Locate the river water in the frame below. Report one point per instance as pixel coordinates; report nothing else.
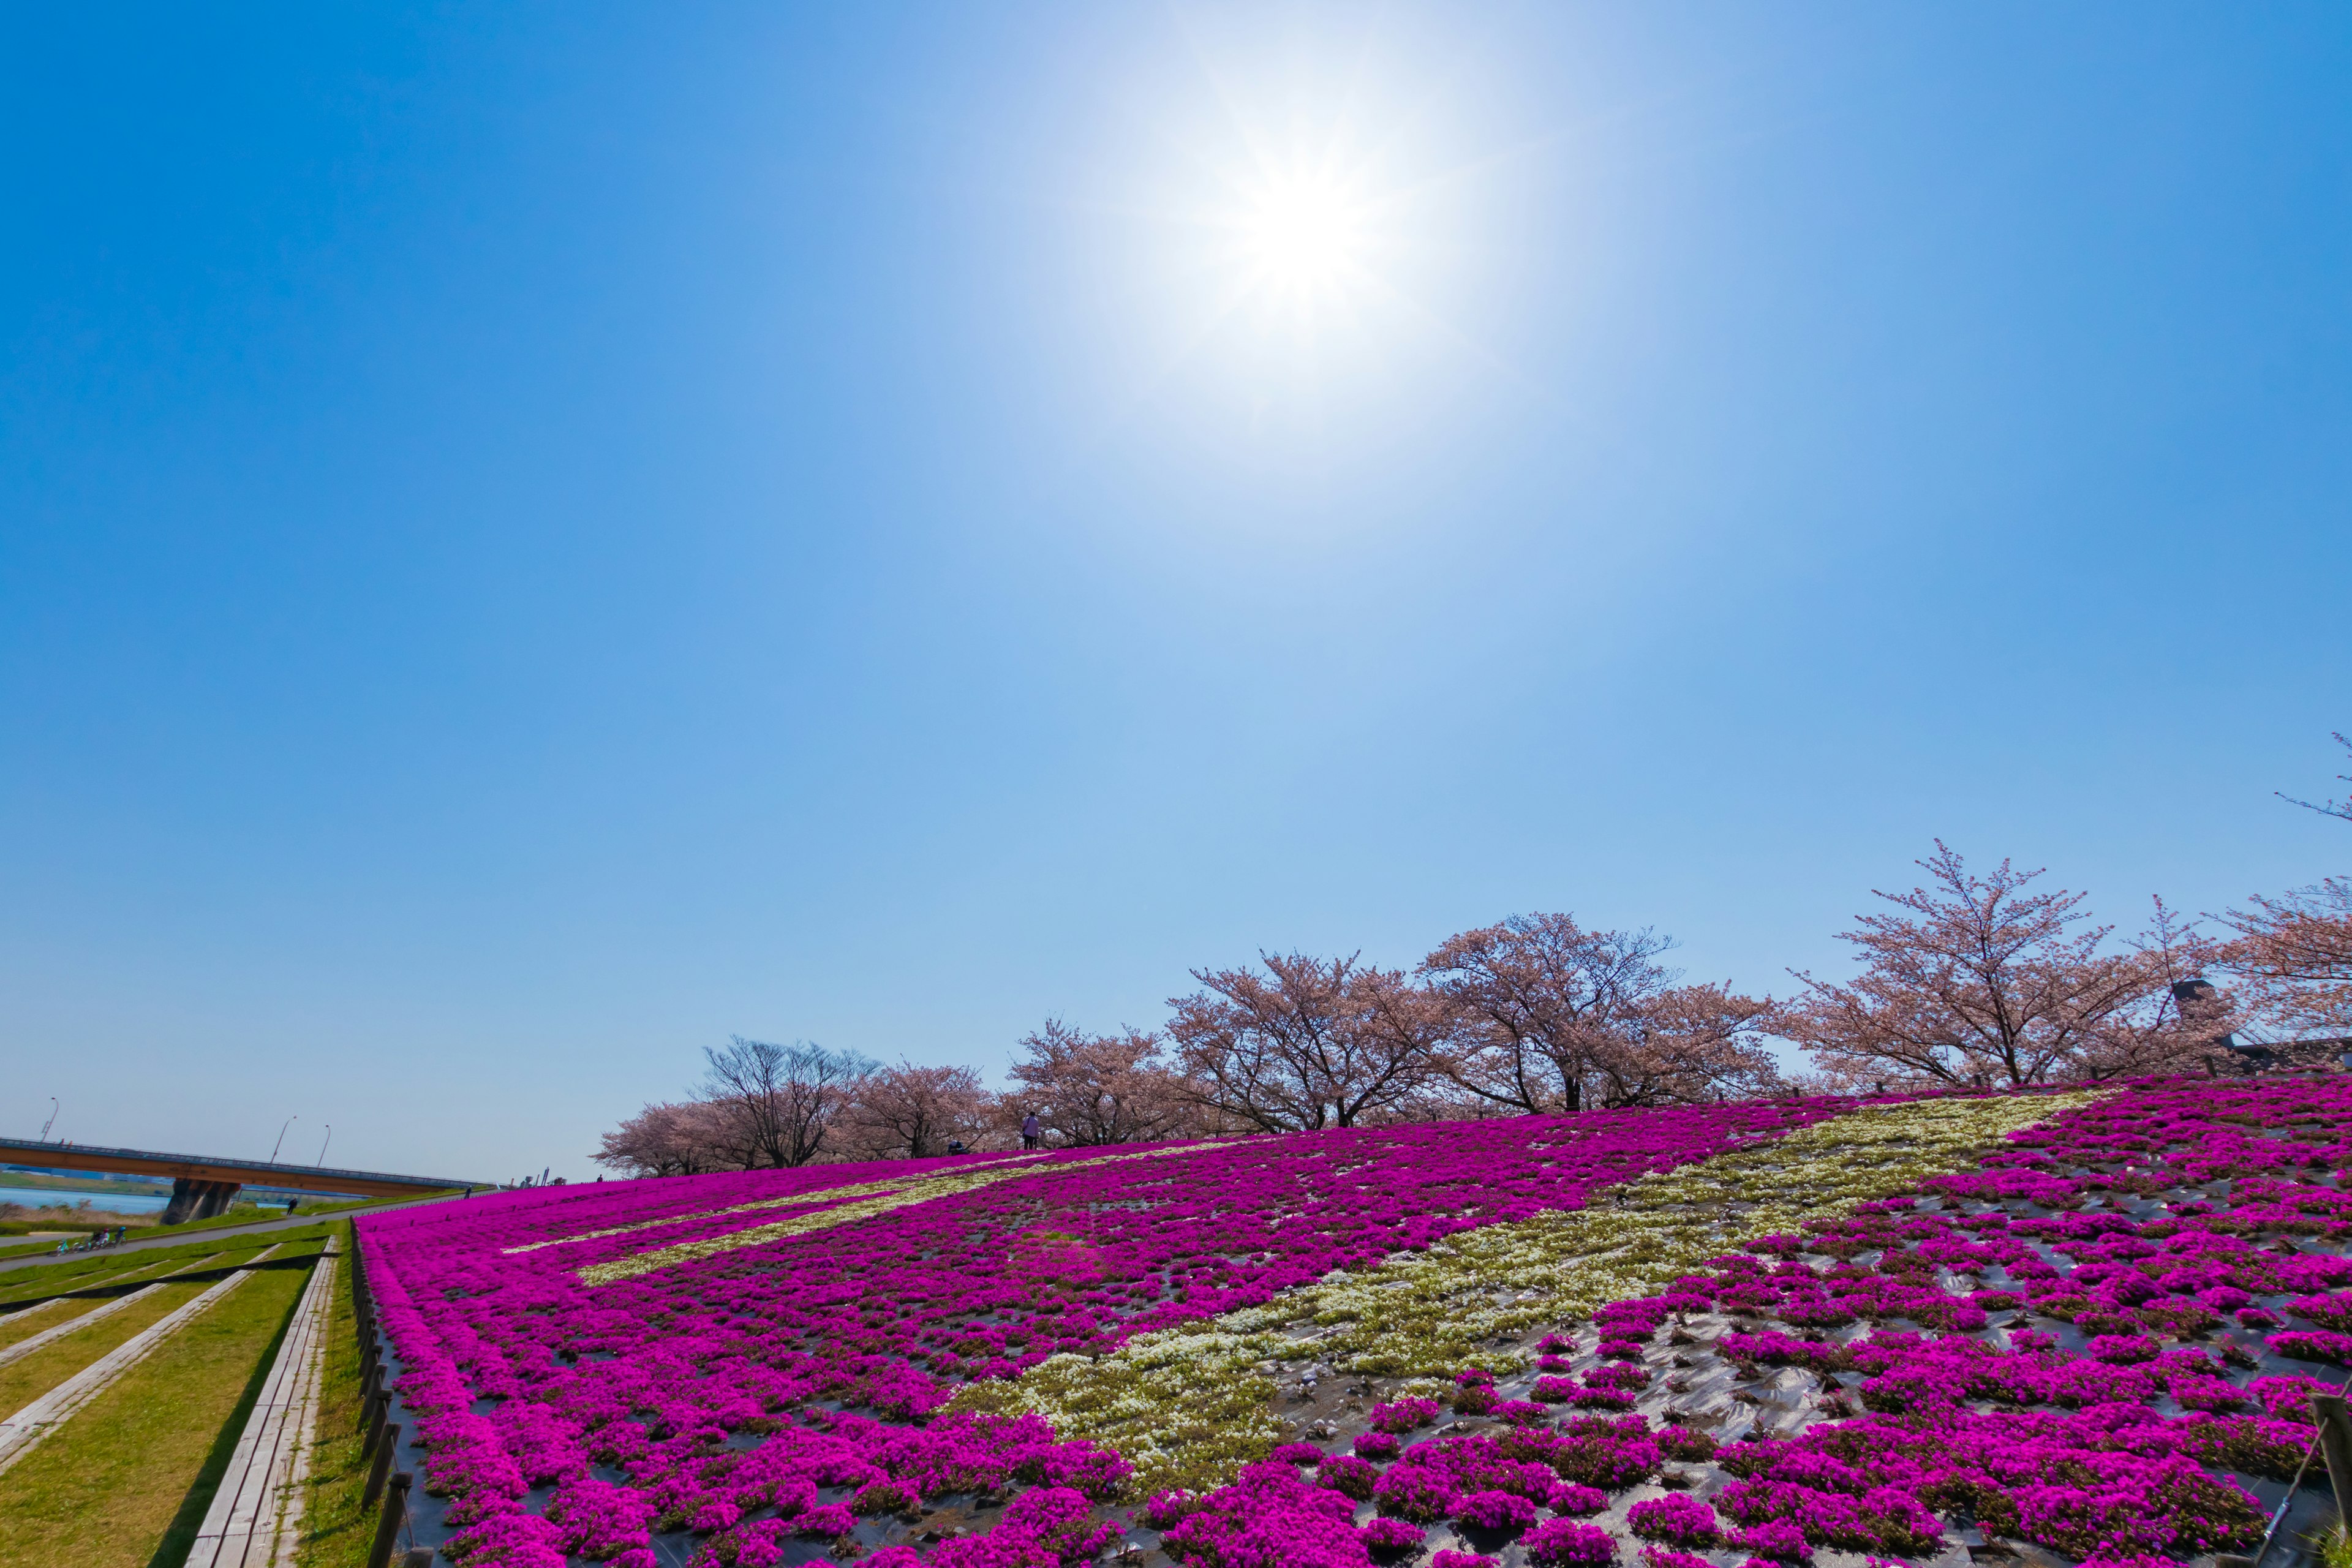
(97, 1197)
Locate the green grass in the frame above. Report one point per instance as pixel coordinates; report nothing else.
(233, 1253)
(14, 1299)
(243, 1214)
(60, 1221)
(82, 1270)
(136, 1271)
(90, 1269)
(30, 1322)
(42, 1290)
(24, 1381)
(337, 1529)
(126, 1482)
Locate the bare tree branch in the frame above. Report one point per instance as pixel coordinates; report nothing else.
(2337, 808)
(779, 1102)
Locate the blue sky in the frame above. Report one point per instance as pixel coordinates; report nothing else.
(533, 537)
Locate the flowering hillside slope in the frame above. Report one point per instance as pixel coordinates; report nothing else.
(1240, 1353)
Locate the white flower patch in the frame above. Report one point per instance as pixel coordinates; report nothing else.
(1189, 1406)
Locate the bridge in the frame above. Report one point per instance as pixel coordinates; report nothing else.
(203, 1186)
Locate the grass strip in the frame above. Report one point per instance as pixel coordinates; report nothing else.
(31, 1320)
(75, 1273)
(139, 1273)
(86, 1273)
(63, 1323)
(23, 1382)
(126, 1482)
(29, 1428)
(232, 1257)
(337, 1529)
(39, 1283)
(58, 1289)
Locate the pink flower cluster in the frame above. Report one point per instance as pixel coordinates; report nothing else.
(1493, 1484)
(2053, 1437)
(725, 1396)
(2121, 1435)
(2088, 1344)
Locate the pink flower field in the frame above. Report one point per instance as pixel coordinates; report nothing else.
(2097, 1341)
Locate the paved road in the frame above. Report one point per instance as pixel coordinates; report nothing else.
(183, 1240)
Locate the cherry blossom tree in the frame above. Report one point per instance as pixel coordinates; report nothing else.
(2293, 955)
(1688, 1043)
(668, 1140)
(1419, 1029)
(1550, 1016)
(1098, 1088)
(1974, 980)
(2180, 1021)
(1305, 1043)
(915, 1112)
(2294, 952)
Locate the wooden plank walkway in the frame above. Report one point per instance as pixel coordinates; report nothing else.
(256, 1517)
(20, 1434)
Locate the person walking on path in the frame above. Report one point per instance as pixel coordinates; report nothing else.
(1031, 1133)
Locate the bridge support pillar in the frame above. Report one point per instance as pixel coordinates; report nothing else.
(194, 1199)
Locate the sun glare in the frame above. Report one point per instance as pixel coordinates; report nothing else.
(1305, 236)
(1305, 210)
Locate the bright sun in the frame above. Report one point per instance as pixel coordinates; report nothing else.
(1305, 235)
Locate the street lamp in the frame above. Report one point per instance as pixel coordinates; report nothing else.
(281, 1138)
(52, 1122)
(324, 1141)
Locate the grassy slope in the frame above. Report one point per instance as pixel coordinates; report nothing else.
(24, 1381)
(105, 1268)
(46, 1290)
(126, 1482)
(138, 1274)
(24, 1284)
(337, 1529)
(33, 1320)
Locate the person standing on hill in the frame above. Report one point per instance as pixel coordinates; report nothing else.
(1031, 1132)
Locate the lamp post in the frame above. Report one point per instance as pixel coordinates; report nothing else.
(281, 1137)
(52, 1122)
(324, 1141)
